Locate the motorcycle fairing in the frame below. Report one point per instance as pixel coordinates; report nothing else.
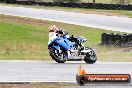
(66, 44)
(63, 42)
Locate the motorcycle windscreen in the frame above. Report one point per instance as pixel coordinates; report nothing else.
(81, 39)
(66, 44)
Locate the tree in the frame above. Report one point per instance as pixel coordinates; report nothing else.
(94, 1)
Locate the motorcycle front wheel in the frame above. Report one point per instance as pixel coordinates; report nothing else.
(90, 57)
(58, 56)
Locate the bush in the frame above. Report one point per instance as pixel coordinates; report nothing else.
(8, 1)
(2, 0)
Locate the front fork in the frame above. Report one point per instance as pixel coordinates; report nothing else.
(69, 54)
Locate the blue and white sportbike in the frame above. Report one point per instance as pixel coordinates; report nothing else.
(64, 48)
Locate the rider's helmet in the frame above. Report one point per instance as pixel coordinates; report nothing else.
(53, 28)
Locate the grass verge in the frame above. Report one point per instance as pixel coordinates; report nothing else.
(36, 85)
(26, 39)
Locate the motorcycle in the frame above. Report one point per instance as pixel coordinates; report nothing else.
(62, 49)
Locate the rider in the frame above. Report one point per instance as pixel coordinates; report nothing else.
(52, 33)
(54, 30)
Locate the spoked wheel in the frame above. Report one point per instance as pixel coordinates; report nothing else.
(58, 55)
(90, 57)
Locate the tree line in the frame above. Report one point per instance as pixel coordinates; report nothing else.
(94, 1)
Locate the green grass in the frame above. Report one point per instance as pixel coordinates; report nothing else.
(105, 1)
(26, 39)
(20, 41)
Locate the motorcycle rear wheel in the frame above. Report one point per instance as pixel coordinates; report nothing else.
(56, 57)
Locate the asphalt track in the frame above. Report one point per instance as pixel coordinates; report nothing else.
(22, 71)
(50, 71)
(123, 24)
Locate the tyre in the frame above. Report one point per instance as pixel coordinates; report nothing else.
(90, 57)
(59, 57)
(80, 80)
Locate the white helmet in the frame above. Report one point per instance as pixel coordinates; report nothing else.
(53, 28)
